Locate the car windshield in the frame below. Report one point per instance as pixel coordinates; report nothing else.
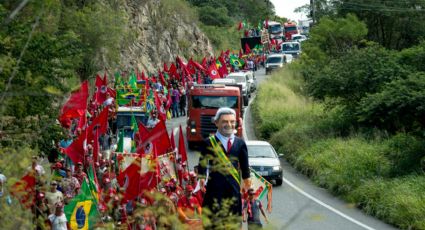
(290, 47)
(274, 60)
(261, 151)
(275, 29)
(214, 102)
(238, 78)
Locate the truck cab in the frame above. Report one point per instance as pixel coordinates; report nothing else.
(203, 103)
(124, 114)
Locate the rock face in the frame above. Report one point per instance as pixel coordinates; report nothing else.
(160, 34)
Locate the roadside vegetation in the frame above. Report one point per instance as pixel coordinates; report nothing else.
(219, 19)
(349, 114)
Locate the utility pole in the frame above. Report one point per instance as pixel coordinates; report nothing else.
(313, 11)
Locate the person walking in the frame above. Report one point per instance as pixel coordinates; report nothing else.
(224, 158)
(251, 211)
(175, 98)
(182, 102)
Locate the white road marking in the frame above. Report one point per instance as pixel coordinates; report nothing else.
(326, 206)
(305, 193)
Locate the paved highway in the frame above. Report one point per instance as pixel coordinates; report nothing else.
(298, 204)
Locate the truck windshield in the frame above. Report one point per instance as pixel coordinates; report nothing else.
(214, 102)
(290, 47)
(124, 119)
(274, 60)
(238, 78)
(291, 28)
(275, 29)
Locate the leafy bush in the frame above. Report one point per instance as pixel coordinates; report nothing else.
(214, 16)
(398, 201)
(405, 152)
(399, 106)
(343, 165)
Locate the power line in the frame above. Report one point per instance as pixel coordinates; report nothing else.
(15, 12)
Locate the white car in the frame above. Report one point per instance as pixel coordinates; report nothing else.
(265, 161)
(223, 81)
(242, 79)
(298, 37)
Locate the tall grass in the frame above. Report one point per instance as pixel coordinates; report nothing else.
(343, 165)
(399, 201)
(381, 173)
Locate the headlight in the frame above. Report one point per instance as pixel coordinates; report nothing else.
(276, 168)
(267, 65)
(281, 65)
(192, 131)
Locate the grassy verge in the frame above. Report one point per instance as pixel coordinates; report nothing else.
(374, 171)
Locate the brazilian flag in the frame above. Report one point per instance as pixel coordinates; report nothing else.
(236, 62)
(81, 210)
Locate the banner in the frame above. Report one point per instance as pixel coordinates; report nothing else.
(262, 188)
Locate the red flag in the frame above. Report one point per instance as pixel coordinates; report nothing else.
(267, 23)
(199, 66)
(213, 72)
(76, 150)
(182, 147)
(82, 122)
(173, 143)
(76, 104)
(165, 67)
(240, 54)
(99, 123)
(227, 52)
(223, 68)
(96, 147)
(204, 62)
(160, 108)
(180, 62)
(247, 49)
(101, 89)
(156, 136)
(199, 78)
(240, 25)
(129, 179)
(161, 78)
(24, 190)
(112, 92)
(173, 70)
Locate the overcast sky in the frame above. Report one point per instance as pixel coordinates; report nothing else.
(285, 8)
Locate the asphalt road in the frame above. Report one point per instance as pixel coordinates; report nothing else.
(298, 204)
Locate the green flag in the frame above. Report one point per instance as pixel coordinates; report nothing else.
(81, 211)
(93, 183)
(120, 147)
(135, 128)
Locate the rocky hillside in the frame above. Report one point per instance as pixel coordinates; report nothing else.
(162, 30)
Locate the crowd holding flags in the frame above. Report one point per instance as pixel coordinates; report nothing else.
(106, 181)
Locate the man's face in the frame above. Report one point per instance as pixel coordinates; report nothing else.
(226, 124)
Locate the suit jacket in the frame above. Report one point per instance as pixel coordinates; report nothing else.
(221, 185)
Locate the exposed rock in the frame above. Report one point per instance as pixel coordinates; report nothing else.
(159, 36)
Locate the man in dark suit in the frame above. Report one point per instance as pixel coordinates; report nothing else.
(223, 184)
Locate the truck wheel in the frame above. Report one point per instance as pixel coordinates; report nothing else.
(279, 182)
(191, 145)
(245, 101)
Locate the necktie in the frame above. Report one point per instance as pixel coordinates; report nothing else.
(229, 145)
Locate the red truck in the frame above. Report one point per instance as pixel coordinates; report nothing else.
(203, 103)
(290, 28)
